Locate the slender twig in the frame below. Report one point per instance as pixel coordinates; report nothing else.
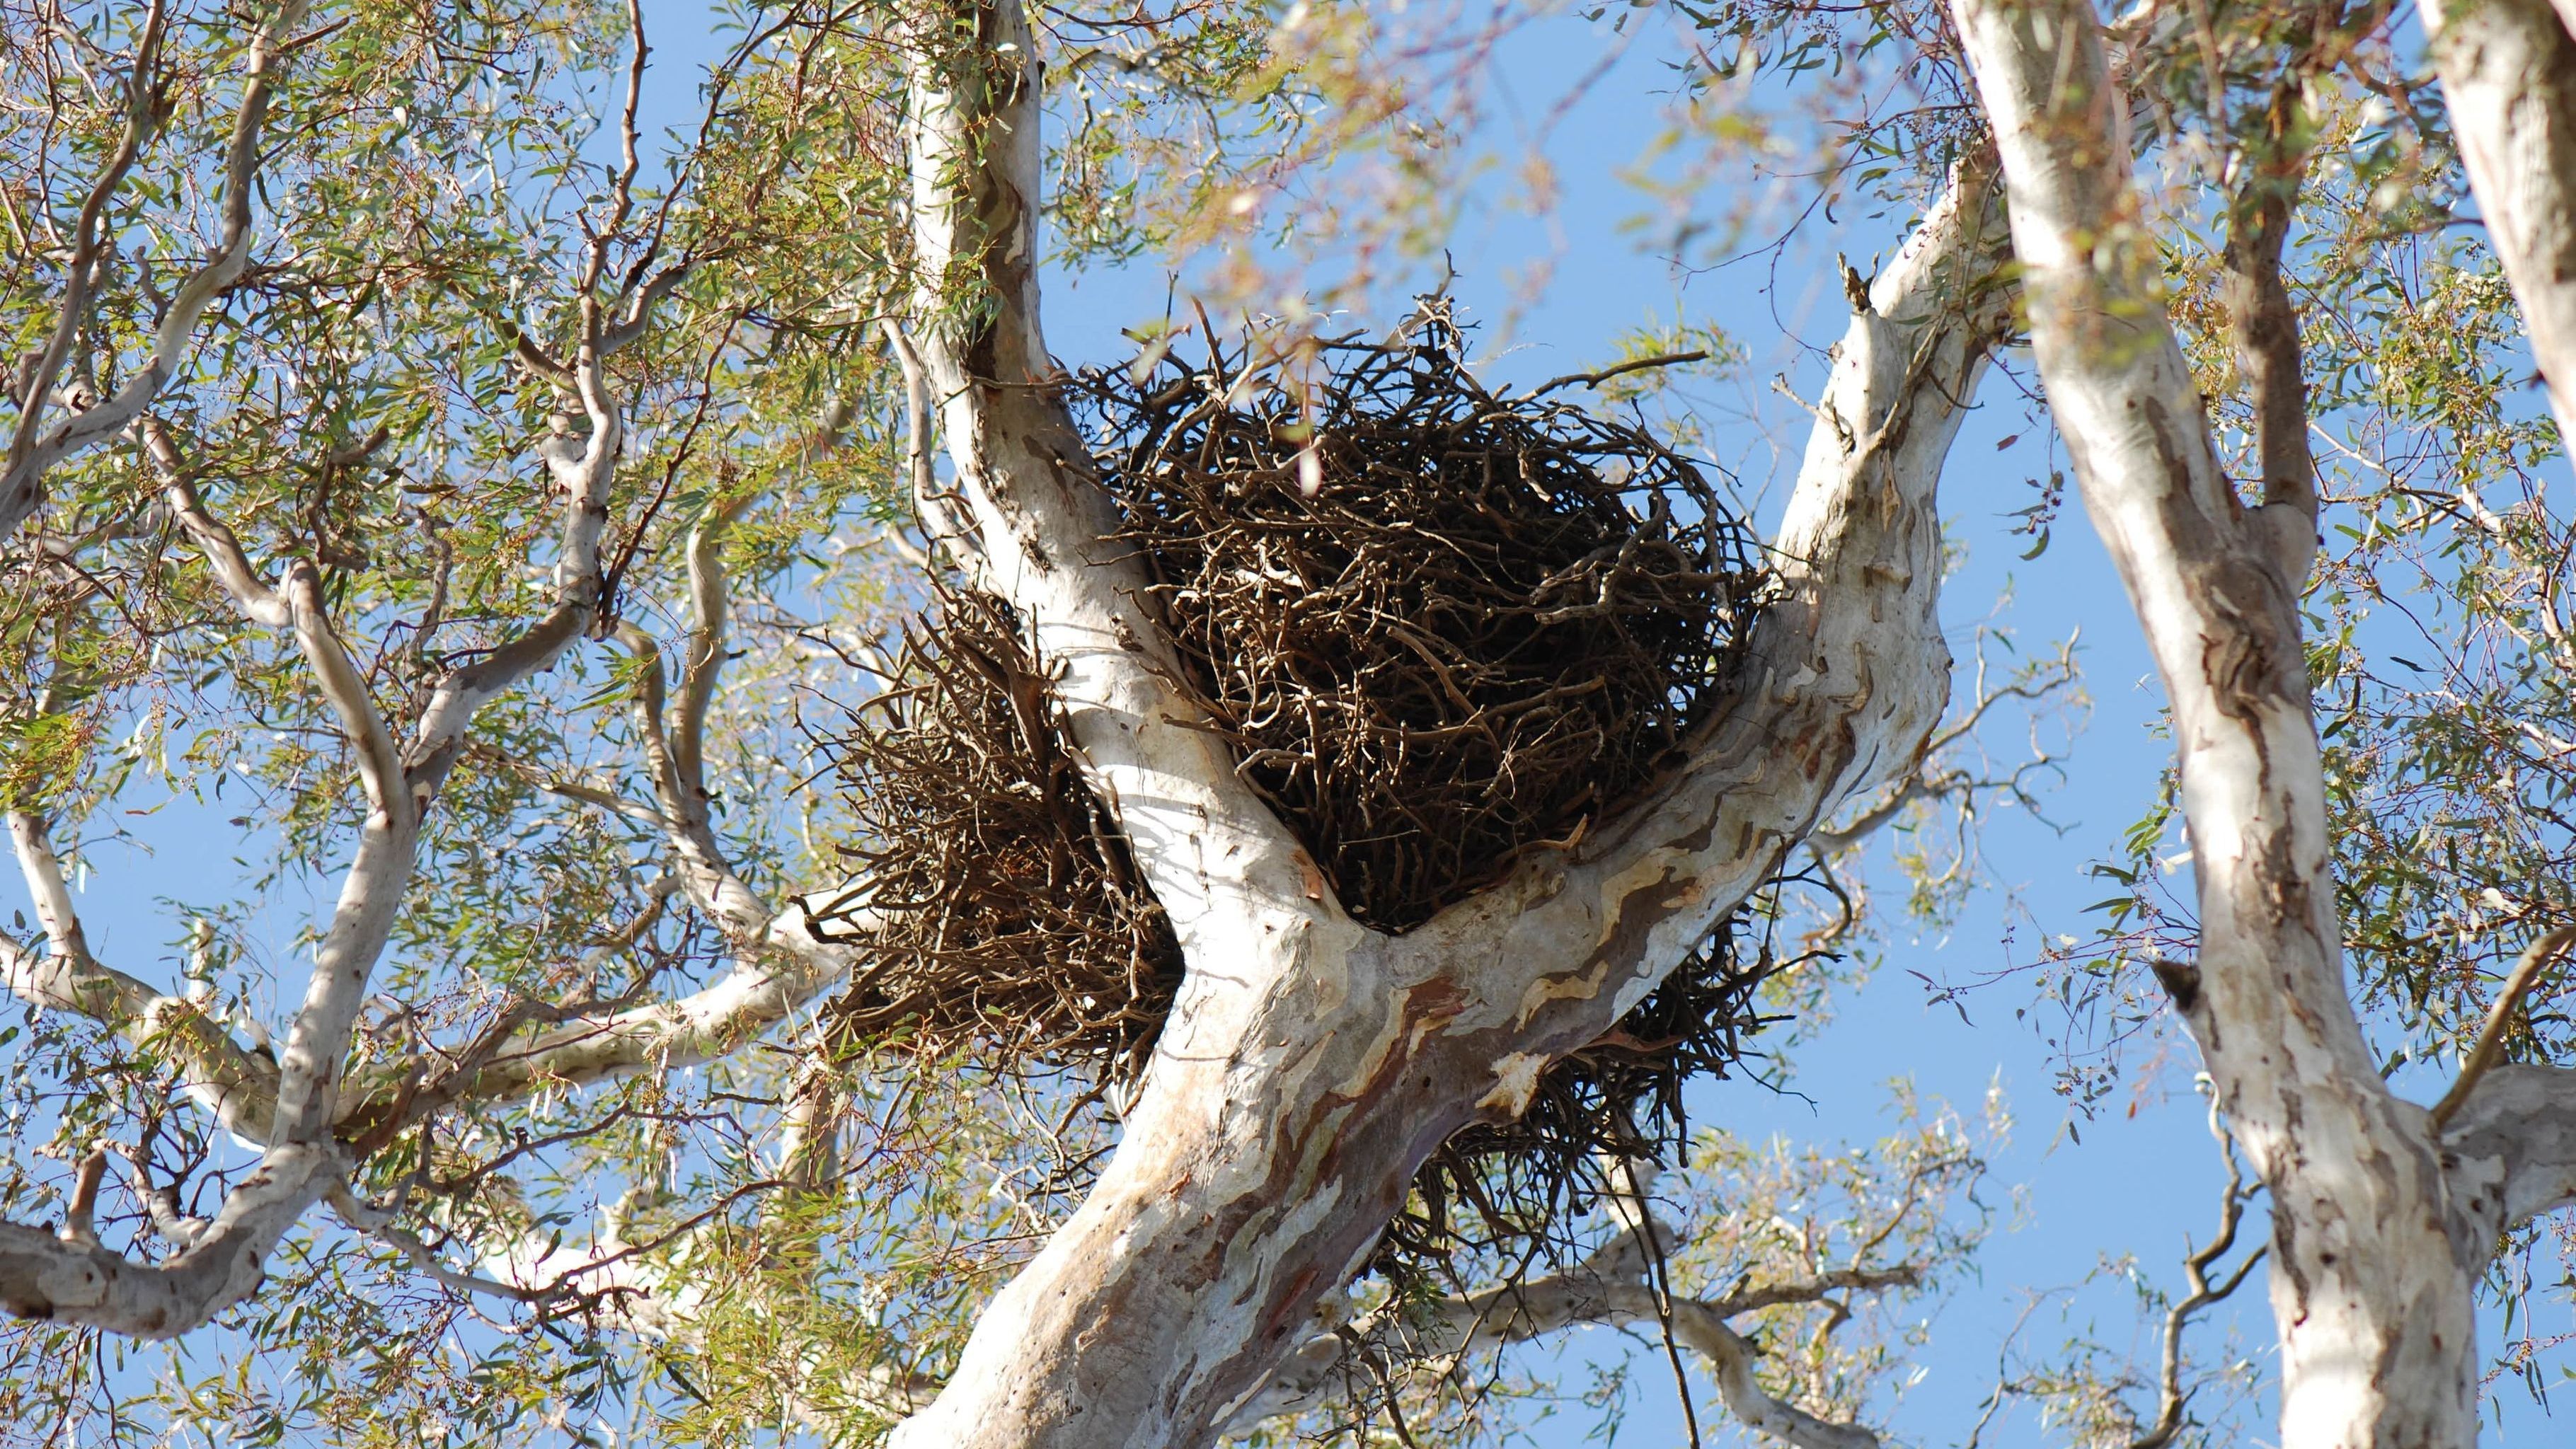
(1595, 379)
(2541, 954)
(2173, 1397)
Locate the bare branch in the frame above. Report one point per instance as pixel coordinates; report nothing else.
(381, 1225)
(217, 542)
(2264, 324)
(161, 1206)
(927, 503)
(1730, 1360)
(583, 468)
(82, 1209)
(2172, 1396)
(2537, 957)
(296, 601)
(1595, 379)
(766, 988)
(675, 740)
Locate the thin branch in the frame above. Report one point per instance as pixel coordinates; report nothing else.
(1595, 379)
(379, 1224)
(2172, 1396)
(222, 549)
(708, 604)
(1730, 1360)
(161, 1206)
(937, 524)
(296, 601)
(713, 885)
(583, 468)
(790, 971)
(2490, 1043)
(1925, 783)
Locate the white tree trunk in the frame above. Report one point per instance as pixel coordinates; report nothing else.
(1310, 1064)
(2509, 74)
(2372, 1264)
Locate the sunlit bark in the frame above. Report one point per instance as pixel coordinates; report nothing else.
(1310, 1065)
(2372, 1269)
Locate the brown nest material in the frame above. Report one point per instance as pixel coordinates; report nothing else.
(1439, 625)
(1006, 919)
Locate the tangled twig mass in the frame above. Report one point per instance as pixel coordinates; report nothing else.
(1440, 626)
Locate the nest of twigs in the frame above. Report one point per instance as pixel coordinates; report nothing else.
(1000, 913)
(1440, 626)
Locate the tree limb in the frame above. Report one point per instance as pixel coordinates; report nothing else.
(2263, 323)
(2367, 1269)
(237, 1087)
(2508, 71)
(2510, 1149)
(43, 1275)
(2537, 957)
(1231, 877)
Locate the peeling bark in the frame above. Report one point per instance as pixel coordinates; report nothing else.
(2509, 75)
(2372, 1265)
(1310, 1065)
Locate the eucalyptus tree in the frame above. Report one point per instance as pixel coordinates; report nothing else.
(496, 505)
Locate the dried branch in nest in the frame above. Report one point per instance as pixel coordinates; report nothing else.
(1008, 920)
(1440, 625)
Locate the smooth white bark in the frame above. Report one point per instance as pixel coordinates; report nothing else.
(2372, 1268)
(2508, 72)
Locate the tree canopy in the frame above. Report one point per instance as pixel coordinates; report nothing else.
(811, 869)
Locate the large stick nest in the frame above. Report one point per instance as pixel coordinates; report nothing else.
(999, 911)
(1441, 626)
